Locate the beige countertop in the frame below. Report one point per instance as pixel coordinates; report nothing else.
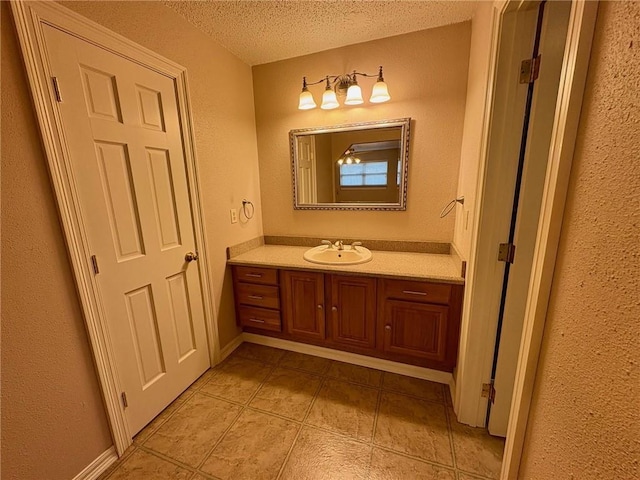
(405, 265)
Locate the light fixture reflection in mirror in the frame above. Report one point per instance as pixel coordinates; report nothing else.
(351, 167)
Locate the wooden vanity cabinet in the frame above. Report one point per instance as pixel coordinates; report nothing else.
(353, 311)
(420, 320)
(257, 298)
(303, 300)
(414, 322)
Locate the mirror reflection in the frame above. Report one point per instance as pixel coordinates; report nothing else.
(359, 166)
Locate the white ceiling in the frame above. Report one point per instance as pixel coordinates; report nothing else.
(269, 30)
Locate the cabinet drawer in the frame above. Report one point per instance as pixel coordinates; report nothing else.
(265, 276)
(417, 291)
(258, 295)
(260, 318)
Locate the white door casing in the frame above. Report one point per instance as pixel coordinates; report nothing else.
(122, 129)
(31, 20)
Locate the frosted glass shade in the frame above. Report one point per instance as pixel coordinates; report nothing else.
(354, 95)
(329, 100)
(306, 101)
(380, 93)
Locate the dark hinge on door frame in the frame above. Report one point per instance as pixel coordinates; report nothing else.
(506, 252)
(56, 89)
(94, 264)
(530, 69)
(125, 403)
(489, 391)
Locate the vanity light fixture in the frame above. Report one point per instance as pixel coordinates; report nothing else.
(341, 85)
(348, 157)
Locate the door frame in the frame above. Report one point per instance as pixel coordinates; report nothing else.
(29, 19)
(478, 328)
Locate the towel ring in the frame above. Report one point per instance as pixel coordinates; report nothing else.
(246, 203)
(447, 210)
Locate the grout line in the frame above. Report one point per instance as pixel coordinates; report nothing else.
(450, 431)
(157, 427)
(235, 420)
(413, 457)
(302, 425)
(173, 461)
(118, 463)
(375, 425)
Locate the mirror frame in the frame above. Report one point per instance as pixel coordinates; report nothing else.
(404, 123)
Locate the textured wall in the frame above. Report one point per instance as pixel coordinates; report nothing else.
(584, 421)
(53, 421)
(473, 118)
(427, 77)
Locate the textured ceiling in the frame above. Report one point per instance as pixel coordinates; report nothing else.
(270, 30)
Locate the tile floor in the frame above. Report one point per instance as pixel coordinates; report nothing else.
(266, 413)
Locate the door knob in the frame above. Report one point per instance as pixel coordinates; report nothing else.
(190, 257)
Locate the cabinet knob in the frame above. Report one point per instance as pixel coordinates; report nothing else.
(335, 309)
(387, 327)
(319, 307)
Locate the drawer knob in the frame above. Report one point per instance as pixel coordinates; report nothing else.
(253, 275)
(319, 306)
(387, 327)
(255, 297)
(335, 309)
(257, 320)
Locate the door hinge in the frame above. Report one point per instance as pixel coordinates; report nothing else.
(94, 263)
(125, 404)
(530, 70)
(489, 391)
(56, 89)
(506, 252)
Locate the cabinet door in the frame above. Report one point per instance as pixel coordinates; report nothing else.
(353, 310)
(415, 329)
(303, 297)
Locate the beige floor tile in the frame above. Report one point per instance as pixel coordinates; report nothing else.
(308, 363)
(253, 351)
(355, 373)
(413, 386)
(143, 465)
(147, 431)
(114, 466)
(468, 476)
(189, 434)
(415, 427)
(204, 378)
(392, 466)
(319, 455)
(345, 408)
(476, 451)
(237, 380)
(287, 392)
(254, 448)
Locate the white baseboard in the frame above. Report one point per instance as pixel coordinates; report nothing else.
(231, 346)
(98, 466)
(362, 360)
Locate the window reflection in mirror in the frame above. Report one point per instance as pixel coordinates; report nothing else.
(361, 166)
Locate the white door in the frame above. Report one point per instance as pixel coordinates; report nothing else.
(307, 192)
(121, 123)
(552, 40)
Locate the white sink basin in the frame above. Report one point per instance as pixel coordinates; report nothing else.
(332, 256)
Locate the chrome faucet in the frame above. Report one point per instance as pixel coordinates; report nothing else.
(327, 242)
(339, 244)
(356, 244)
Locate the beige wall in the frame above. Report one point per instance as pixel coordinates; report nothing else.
(427, 76)
(53, 421)
(473, 124)
(584, 421)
